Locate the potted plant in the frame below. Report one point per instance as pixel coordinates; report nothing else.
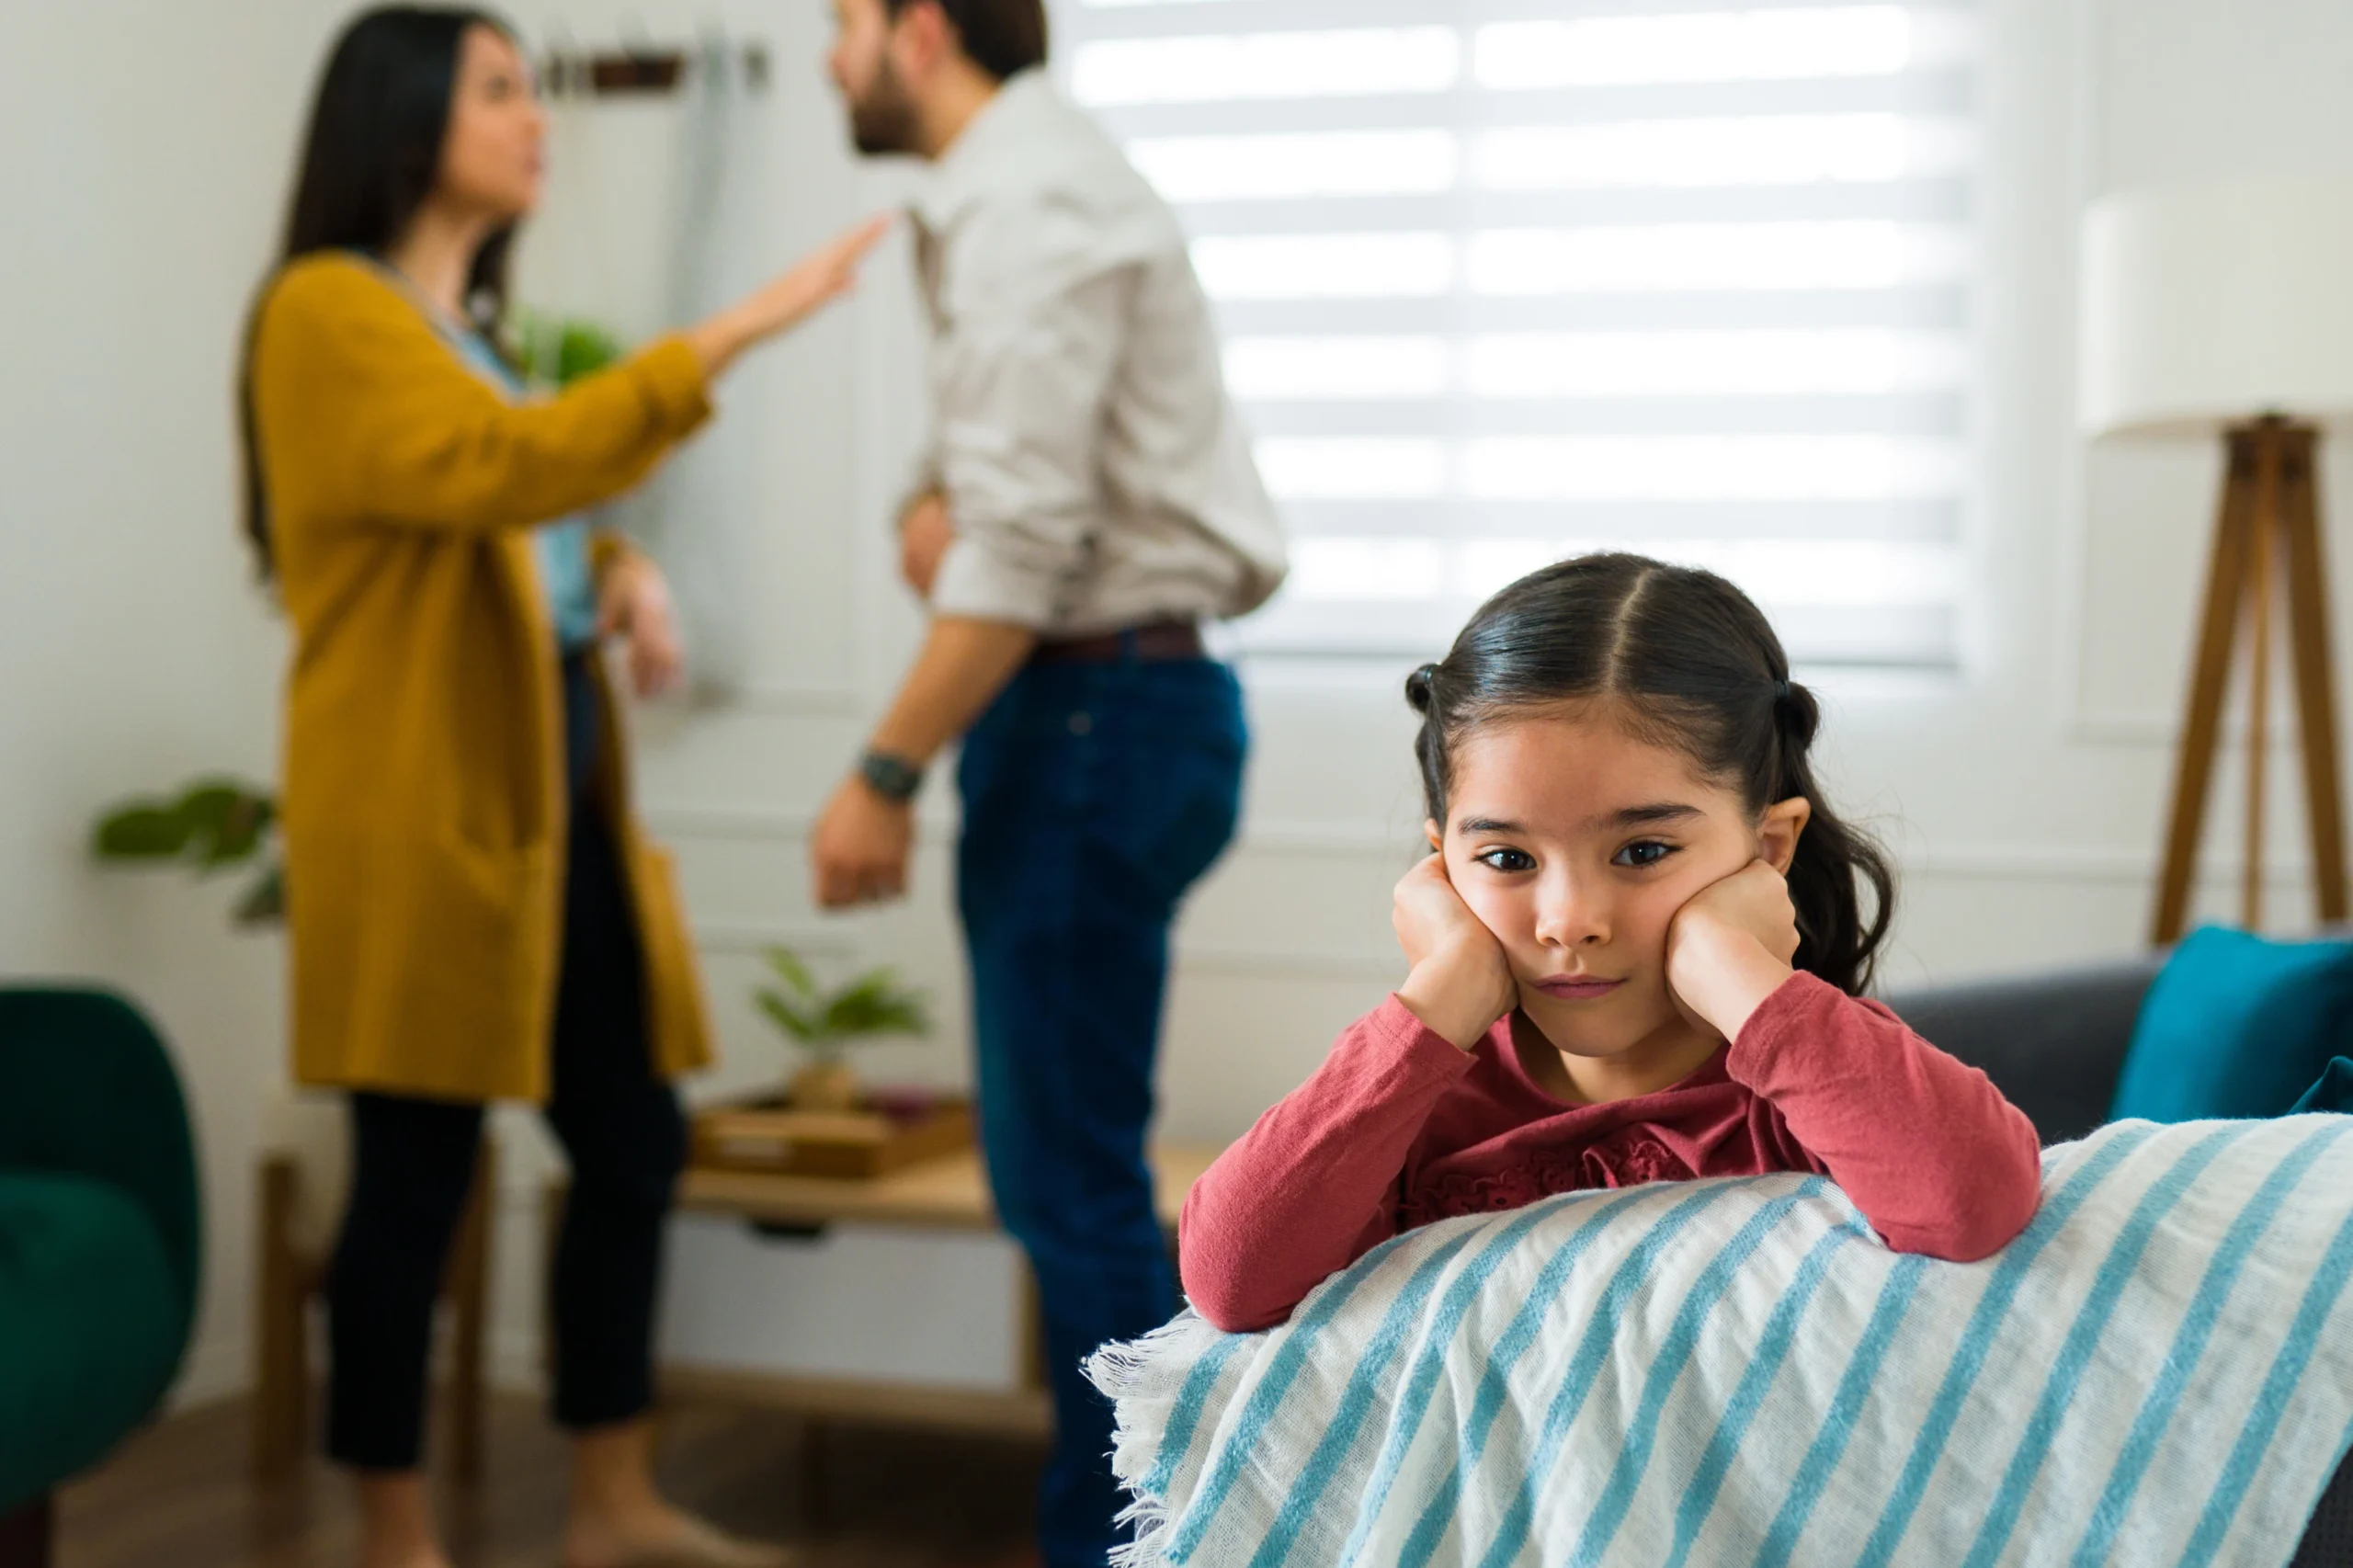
(214, 823)
(555, 351)
(828, 1024)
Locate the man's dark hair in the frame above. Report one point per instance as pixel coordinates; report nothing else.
(1001, 36)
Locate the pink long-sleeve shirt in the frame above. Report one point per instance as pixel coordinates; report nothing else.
(1399, 1128)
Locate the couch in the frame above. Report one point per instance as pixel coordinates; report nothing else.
(100, 1242)
(2055, 1044)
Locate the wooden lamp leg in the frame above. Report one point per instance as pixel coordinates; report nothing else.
(281, 1372)
(2226, 575)
(2261, 571)
(2315, 689)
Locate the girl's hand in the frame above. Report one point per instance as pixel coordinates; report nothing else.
(787, 300)
(633, 603)
(1729, 947)
(1461, 982)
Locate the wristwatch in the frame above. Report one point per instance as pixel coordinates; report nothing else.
(893, 778)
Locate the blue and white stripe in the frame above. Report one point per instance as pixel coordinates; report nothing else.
(1737, 1372)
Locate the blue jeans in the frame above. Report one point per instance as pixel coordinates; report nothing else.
(1095, 795)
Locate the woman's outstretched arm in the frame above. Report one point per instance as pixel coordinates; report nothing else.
(364, 400)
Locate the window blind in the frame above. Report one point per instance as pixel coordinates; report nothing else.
(1501, 280)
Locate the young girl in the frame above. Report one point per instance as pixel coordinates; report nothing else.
(1635, 948)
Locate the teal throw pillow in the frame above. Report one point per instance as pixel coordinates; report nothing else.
(2334, 1093)
(2236, 1026)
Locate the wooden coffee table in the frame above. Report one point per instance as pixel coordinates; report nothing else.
(946, 1194)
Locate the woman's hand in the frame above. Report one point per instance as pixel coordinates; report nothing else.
(633, 603)
(925, 534)
(1729, 947)
(787, 300)
(1462, 982)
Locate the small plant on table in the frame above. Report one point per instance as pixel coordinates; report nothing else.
(828, 1024)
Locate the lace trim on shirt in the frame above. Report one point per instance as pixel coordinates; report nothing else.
(1628, 1159)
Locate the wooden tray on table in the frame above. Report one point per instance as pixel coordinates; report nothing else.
(894, 1129)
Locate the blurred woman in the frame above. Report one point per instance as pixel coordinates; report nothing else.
(474, 914)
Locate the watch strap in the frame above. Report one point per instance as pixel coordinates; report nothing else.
(890, 775)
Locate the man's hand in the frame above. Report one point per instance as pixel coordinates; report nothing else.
(633, 603)
(861, 847)
(925, 534)
(859, 850)
(1729, 947)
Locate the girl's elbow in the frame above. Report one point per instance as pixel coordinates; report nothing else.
(2015, 1196)
(1238, 1315)
(1229, 1295)
(1225, 1303)
(1980, 1235)
(1981, 1225)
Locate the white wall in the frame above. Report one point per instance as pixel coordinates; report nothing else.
(145, 155)
(2025, 796)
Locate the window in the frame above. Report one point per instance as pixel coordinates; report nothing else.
(1504, 280)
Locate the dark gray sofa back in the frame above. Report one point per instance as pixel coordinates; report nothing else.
(2053, 1043)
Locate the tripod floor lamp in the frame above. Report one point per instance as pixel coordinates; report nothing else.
(2226, 313)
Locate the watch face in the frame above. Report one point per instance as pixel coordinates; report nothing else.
(890, 777)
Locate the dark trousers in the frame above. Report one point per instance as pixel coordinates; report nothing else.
(413, 1160)
(1095, 795)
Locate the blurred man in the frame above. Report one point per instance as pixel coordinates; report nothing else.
(1088, 501)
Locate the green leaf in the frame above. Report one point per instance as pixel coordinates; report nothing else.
(226, 820)
(791, 970)
(583, 349)
(788, 1018)
(872, 1006)
(557, 350)
(908, 1015)
(243, 831)
(876, 1004)
(216, 822)
(142, 832)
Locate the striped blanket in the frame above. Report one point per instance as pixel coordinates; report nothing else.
(2160, 1370)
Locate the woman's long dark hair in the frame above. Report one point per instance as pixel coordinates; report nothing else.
(1693, 664)
(369, 160)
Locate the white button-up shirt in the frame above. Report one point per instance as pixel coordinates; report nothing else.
(1096, 471)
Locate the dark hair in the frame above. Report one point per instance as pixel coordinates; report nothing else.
(369, 159)
(1001, 36)
(1692, 663)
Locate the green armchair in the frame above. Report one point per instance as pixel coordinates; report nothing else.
(100, 1242)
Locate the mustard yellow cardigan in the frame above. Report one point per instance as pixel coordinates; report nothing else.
(424, 814)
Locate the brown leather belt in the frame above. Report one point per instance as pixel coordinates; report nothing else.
(1152, 643)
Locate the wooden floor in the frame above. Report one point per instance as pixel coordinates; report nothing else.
(177, 1496)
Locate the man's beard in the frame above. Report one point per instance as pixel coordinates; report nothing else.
(883, 121)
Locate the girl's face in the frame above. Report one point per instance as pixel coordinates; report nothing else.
(492, 158)
(1576, 843)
